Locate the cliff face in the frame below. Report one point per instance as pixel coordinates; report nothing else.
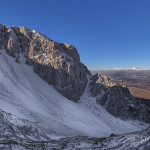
(117, 100)
(57, 63)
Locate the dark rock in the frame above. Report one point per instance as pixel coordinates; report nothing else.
(117, 100)
(57, 63)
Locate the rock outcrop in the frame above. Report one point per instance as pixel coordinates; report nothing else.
(57, 63)
(117, 100)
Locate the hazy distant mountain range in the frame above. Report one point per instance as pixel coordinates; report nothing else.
(132, 68)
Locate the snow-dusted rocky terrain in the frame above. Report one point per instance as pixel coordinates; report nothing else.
(36, 112)
(25, 95)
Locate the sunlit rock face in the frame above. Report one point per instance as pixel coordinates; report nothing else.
(57, 63)
(117, 100)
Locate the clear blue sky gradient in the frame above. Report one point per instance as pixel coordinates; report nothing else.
(107, 33)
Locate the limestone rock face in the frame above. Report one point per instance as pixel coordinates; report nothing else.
(57, 63)
(117, 100)
(11, 43)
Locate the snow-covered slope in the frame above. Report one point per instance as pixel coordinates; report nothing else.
(24, 94)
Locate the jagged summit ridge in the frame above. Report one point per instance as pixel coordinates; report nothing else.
(22, 39)
(57, 63)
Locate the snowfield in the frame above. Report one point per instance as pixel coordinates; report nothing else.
(25, 95)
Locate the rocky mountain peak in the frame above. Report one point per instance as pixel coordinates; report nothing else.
(117, 100)
(100, 78)
(57, 63)
(101, 83)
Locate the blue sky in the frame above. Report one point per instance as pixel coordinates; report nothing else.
(107, 33)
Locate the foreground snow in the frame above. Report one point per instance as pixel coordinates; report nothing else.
(26, 95)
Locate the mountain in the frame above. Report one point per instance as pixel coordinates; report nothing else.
(117, 100)
(47, 93)
(138, 81)
(57, 63)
